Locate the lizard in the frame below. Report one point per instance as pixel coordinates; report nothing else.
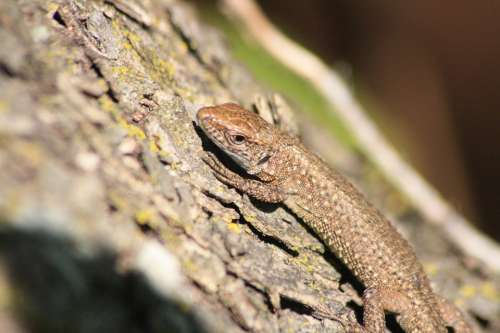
(280, 169)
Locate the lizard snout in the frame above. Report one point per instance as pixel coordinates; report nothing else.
(204, 114)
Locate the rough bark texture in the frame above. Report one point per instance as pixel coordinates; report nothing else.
(111, 222)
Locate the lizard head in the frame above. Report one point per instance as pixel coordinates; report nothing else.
(243, 135)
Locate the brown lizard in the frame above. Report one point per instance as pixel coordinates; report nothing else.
(283, 171)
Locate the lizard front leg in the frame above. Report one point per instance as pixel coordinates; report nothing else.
(266, 192)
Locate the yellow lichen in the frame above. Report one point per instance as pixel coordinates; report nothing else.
(164, 154)
(468, 291)
(153, 147)
(134, 38)
(144, 216)
(134, 131)
(121, 70)
(3, 106)
(431, 269)
(102, 84)
(304, 261)
(29, 151)
(489, 291)
(56, 52)
(52, 7)
(10, 204)
(234, 227)
(108, 105)
(162, 69)
(250, 218)
(117, 200)
(115, 25)
(188, 265)
(126, 45)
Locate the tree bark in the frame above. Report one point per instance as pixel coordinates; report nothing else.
(110, 221)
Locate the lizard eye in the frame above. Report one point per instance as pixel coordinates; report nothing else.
(237, 139)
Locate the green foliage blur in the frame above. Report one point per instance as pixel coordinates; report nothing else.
(277, 77)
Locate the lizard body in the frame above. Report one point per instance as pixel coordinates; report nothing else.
(284, 171)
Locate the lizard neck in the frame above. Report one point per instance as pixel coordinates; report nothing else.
(282, 163)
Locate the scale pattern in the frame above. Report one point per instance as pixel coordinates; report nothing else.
(284, 171)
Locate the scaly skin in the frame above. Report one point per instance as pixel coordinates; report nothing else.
(353, 229)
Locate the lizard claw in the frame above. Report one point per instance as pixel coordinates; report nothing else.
(210, 159)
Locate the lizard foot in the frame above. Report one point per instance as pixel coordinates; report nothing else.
(220, 171)
(260, 190)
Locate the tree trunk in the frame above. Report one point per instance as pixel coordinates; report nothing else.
(111, 222)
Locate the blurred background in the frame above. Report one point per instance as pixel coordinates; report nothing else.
(427, 71)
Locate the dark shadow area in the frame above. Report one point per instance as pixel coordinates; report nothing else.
(293, 305)
(60, 289)
(266, 207)
(483, 322)
(390, 319)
